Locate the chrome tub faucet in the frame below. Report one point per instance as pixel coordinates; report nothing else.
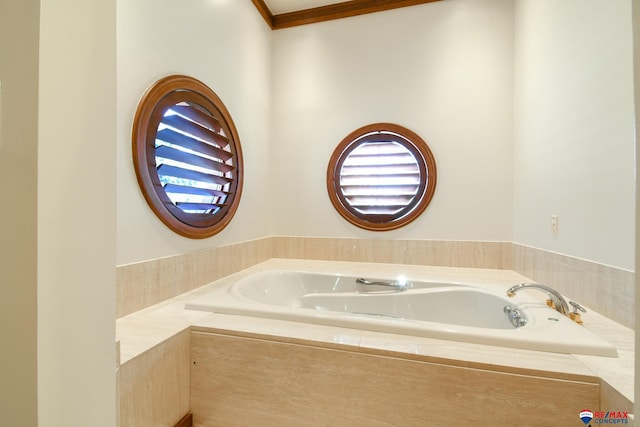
(557, 301)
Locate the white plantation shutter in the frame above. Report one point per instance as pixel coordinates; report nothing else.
(187, 156)
(381, 177)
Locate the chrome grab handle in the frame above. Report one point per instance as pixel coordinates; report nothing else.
(397, 286)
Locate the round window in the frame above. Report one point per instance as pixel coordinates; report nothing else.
(187, 156)
(381, 177)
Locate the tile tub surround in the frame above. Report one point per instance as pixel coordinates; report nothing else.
(419, 252)
(144, 284)
(148, 328)
(608, 290)
(153, 388)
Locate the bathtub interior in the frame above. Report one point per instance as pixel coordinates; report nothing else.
(451, 305)
(286, 288)
(422, 301)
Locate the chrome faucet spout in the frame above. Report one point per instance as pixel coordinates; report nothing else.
(558, 300)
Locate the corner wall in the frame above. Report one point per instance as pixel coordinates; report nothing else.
(574, 129)
(76, 213)
(226, 45)
(443, 70)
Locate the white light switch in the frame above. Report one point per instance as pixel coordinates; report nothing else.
(554, 224)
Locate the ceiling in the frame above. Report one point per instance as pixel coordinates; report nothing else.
(289, 13)
(283, 6)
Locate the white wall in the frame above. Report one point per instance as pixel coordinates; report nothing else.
(443, 70)
(227, 45)
(574, 128)
(76, 220)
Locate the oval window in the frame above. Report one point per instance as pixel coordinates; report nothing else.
(381, 177)
(187, 156)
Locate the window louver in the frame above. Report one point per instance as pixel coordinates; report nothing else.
(193, 160)
(187, 156)
(381, 177)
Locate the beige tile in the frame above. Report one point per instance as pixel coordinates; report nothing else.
(467, 354)
(420, 252)
(143, 284)
(127, 290)
(154, 387)
(606, 289)
(288, 247)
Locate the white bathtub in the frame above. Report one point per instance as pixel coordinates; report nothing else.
(450, 311)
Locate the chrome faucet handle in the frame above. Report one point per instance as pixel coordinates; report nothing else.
(577, 307)
(574, 315)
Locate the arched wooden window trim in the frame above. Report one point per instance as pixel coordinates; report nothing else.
(209, 126)
(364, 216)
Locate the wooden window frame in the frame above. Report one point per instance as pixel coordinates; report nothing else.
(166, 93)
(426, 188)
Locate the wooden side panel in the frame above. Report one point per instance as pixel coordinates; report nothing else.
(248, 382)
(154, 387)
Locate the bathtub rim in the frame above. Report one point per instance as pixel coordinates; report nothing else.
(587, 343)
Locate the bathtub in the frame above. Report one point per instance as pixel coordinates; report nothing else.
(474, 313)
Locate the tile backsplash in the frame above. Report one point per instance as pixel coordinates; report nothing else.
(143, 284)
(605, 289)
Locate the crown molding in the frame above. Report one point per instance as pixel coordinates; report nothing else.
(330, 12)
